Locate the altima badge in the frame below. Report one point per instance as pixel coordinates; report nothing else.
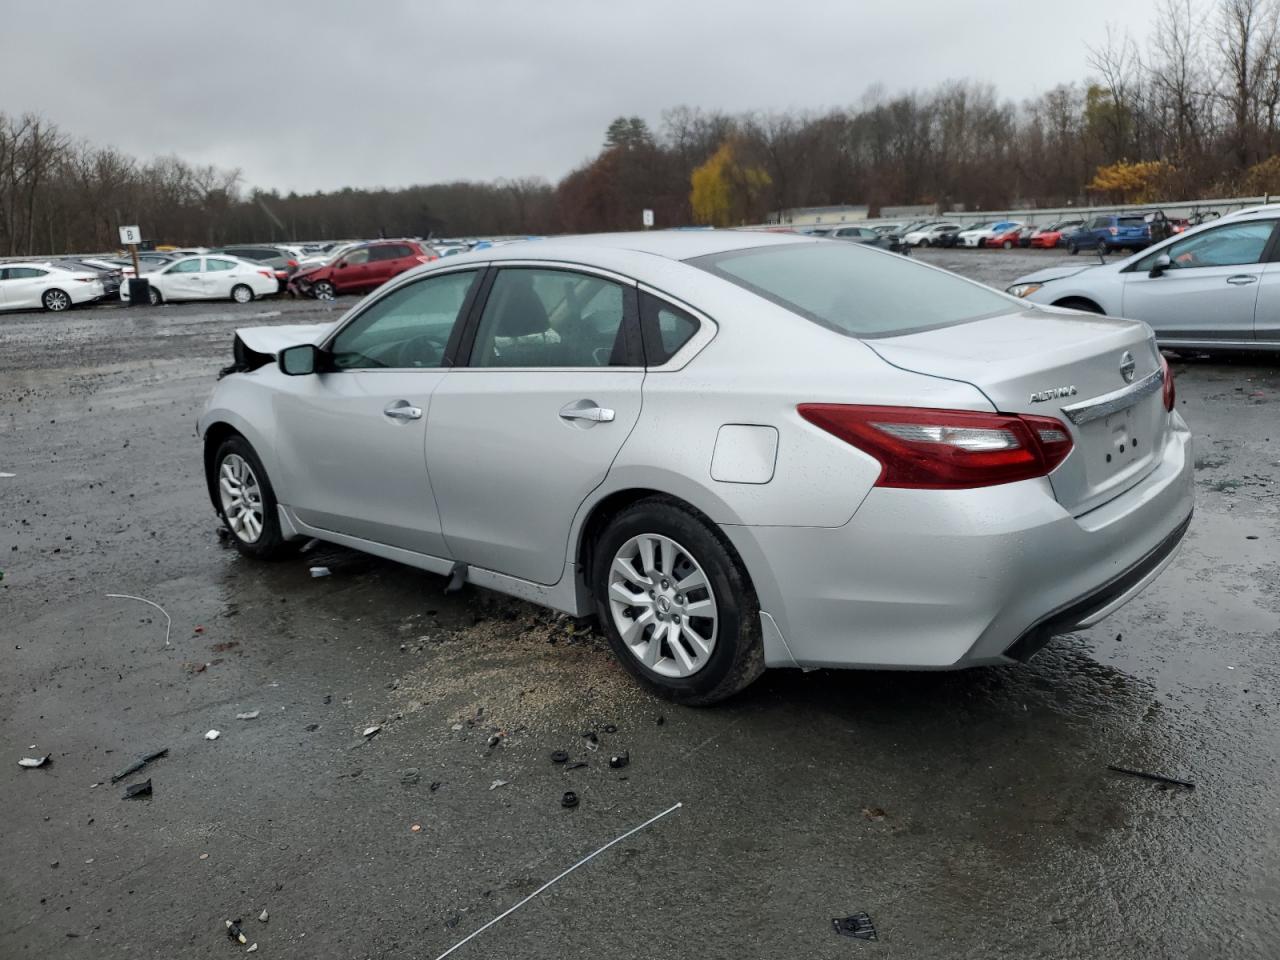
(1053, 393)
(1127, 367)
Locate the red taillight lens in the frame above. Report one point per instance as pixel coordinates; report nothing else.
(291, 263)
(926, 449)
(1113, 230)
(1170, 393)
(269, 274)
(423, 258)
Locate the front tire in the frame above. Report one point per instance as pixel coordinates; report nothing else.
(324, 290)
(154, 296)
(676, 603)
(246, 500)
(55, 300)
(242, 293)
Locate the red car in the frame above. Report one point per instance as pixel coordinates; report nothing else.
(1008, 239)
(360, 270)
(1051, 236)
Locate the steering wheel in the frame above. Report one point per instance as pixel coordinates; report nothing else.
(420, 351)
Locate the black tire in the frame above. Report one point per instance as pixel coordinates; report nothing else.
(737, 659)
(924, 242)
(270, 544)
(55, 300)
(248, 293)
(324, 290)
(154, 296)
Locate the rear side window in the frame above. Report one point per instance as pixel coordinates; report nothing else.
(854, 290)
(213, 264)
(666, 328)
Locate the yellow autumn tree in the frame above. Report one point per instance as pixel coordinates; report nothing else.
(724, 192)
(1263, 177)
(1126, 182)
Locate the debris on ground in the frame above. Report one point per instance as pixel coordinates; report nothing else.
(569, 800)
(494, 740)
(309, 546)
(371, 731)
(416, 828)
(318, 572)
(858, 926)
(497, 783)
(251, 715)
(234, 932)
(577, 766)
(138, 764)
(410, 776)
(168, 621)
(253, 948)
(610, 728)
(204, 856)
(560, 756)
(213, 735)
(262, 917)
(32, 762)
(1158, 777)
(6, 476)
(660, 720)
(142, 789)
(618, 761)
(591, 736)
(874, 813)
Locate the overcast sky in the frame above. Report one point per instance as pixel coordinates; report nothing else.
(329, 94)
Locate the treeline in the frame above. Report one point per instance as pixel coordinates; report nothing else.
(1195, 113)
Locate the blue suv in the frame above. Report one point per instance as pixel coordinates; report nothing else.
(1109, 234)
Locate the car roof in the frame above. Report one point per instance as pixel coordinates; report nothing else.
(669, 244)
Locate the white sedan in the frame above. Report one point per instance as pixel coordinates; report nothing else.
(209, 278)
(928, 235)
(24, 286)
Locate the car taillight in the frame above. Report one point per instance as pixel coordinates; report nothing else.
(1170, 392)
(269, 274)
(423, 258)
(926, 449)
(292, 263)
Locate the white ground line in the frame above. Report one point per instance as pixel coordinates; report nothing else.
(168, 623)
(558, 878)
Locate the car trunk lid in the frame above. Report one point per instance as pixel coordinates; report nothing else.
(1069, 366)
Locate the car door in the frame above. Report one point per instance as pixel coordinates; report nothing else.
(351, 439)
(23, 287)
(183, 280)
(351, 272)
(1210, 288)
(1266, 312)
(529, 426)
(218, 278)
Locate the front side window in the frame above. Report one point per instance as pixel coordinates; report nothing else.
(552, 318)
(185, 266)
(408, 327)
(855, 291)
(356, 257)
(1232, 245)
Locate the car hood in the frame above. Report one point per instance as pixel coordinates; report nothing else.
(271, 340)
(1055, 273)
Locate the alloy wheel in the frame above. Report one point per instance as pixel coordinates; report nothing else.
(325, 291)
(662, 605)
(241, 497)
(241, 294)
(56, 301)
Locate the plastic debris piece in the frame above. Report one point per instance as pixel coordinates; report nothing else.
(560, 756)
(496, 784)
(32, 762)
(619, 761)
(576, 766)
(1158, 777)
(138, 764)
(234, 932)
(416, 828)
(204, 856)
(494, 740)
(874, 814)
(168, 621)
(858, 926)
(142, 789)
(6, 476)
(213, 735)
(317, 572)
(569, 800)
(252, 949)
(371, 731)
(592, 746)
(251, 715)
(262, 917)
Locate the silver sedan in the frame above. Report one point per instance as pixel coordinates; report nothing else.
(738, 450)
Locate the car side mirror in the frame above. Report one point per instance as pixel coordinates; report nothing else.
(1160, 265)
(301, 360)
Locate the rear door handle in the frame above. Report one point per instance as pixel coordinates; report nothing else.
(1240, 279)
(402, 410)
(586, 410)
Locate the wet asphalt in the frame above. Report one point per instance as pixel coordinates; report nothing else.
(971, 814)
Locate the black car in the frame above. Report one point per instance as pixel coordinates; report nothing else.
(869, 237)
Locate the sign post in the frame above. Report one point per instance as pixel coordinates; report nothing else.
(131, 237)
(647, 219)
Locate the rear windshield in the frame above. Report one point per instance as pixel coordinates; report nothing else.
(854, 290)
(1131, 221)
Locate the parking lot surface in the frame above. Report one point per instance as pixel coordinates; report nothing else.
(970, 814)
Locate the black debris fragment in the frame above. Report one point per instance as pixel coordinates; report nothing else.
(661, 720)
(560, 756)
(435, 785)
(610, 728)
(142, 789)
(569, 800)
(858, 926)
(494, 740)
(591, 736)
(1158, 777)
(234, 932)
(311, 727)
(618, 761)
(139, 764)
(576, 766)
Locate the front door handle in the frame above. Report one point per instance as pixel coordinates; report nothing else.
(1240, 279)
(402, 410)
(586, 410)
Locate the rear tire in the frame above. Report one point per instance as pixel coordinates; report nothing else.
(55, 300)
(242, 293)
(247, 501)
(726, 652)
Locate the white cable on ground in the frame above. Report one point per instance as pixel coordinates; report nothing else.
(558, 878)
(168, 623)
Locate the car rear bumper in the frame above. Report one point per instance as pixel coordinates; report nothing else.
(945, 579)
